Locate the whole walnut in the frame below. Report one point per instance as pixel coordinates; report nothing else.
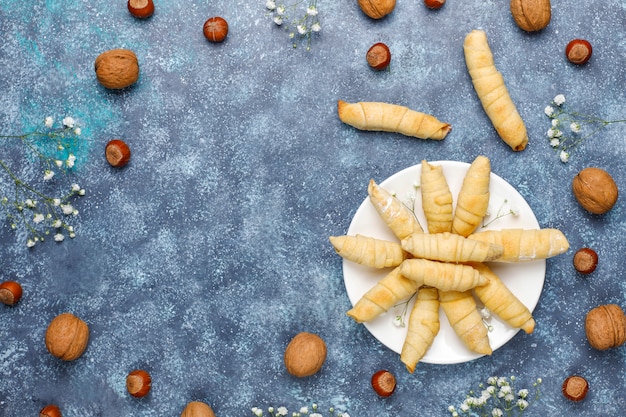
(605, 327)
(305, 354)
(67, 337)
(377, 9)
(117, 68)
(197, 409)
(595, 190)
(531, 15)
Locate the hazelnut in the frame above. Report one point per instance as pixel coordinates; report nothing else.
(67, 337)
(585, 260)
(197, 409)
(138, 383)
(575, 388)
(378, 56)
(377, 9)
(384, 383)
(531, 15)
(215, 29)
(605, 327)
(50, 411)
(434, 4)
(578, 51)
(595, 190)
(10, 292)
(141, 9)
(117, 68)
(117, 153)
(305, 354)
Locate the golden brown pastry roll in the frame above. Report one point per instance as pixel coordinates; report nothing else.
(473, 199)
(423, 326)
(460, 308)
(521, 245)
(436, 198)
(396, 215)
(369, 251)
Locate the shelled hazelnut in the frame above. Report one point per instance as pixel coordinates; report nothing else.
(197, 409)
(67, 337)
(578, 51)
(575, 388)
(50, 411)
(384, 383)
(138, 383)
(378, 56)
(305, 354)
(585, 260)
(215, 29)
(141, 9)
(10, 292)
(117, 153)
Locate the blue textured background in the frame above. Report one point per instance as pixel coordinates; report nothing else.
(202, 258)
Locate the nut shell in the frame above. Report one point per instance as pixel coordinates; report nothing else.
(305, 354)
(595, 190)
(531, 15)
(10, 292)
(197, 409)
(67, 337)
(585, 260)
(117, 153)
(50, 411)
(378, 56)
(578, 51)
(215, 29)
(377, 9)
(141, 9)
(138, 383)
(575, 388)
(117, 68)
(605, 327)
(384, 383)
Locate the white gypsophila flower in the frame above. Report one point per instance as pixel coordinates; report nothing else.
(58, 163)
(72, 235)
(304, 410)
(56, 202)
(301, 29)
(311, 11)
(522, 404)
(48, 122)
(48, 174)
(496, 412)
(30, 243)
(523, 393)
(564, 156)
(69, 121)
(278, 20)
(77, 131)
(67, 209)
(71, 159)
(280, 10)
(492, 380)
(38, 218)
(485, 313)
(559, 99)
(57, 223)
(270, 4)
(397, 321)
(75, 187)
(574, 127)
(505, 390)
(451, 408)
(282, 411)
(555, 122)
(549, 110)
(30, 203)
(291, 35)
(315, 415)
(316, 27)
(59, 237)
(270, 409)
(555, 142)
(514, 210)
(81, 192)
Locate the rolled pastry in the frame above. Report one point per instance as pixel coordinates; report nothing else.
(473, 198)
(460, 308)
(423, 326)
(388, 117)
(369, 251)
(400, 219)
(521, 245)
(502, 302)
(442, 275)
(448, 247)
(387, 292)
(436, 198)
(492, 92)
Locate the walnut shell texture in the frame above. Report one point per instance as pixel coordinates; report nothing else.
(605, 327)
(377, 9)
(67, 337)
(117, 68)
(197, 409)
(531, 15)
(595, 190)
(305, 354)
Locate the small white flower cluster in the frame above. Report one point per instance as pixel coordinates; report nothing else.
(299, 28)
(566, 127)
(40, 213)
(505, 209)
(496, 399)
(303, 411)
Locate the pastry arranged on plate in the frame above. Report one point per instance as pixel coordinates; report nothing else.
(445, 264)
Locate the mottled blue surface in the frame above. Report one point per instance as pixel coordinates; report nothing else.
(202, 258)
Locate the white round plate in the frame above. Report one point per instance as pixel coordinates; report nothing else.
(525, 279)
